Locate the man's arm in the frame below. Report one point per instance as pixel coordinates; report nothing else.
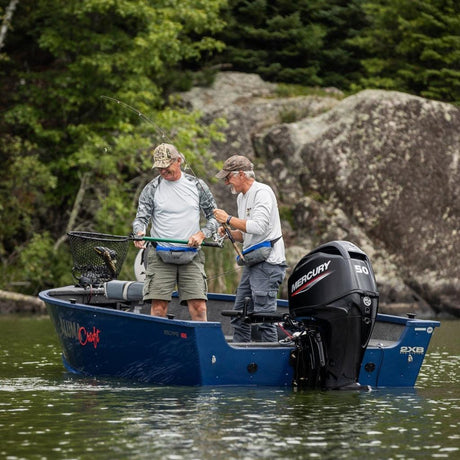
(144, 213)
(207, 204)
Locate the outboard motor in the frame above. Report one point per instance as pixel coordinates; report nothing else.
(333, 296)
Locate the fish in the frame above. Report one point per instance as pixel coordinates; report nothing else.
(109, 256)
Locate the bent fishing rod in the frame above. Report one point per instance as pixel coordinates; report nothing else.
(224, 225)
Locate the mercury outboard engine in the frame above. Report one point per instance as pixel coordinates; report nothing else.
(333, 296)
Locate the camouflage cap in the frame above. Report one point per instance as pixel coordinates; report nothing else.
(235, 163)
(164, 155)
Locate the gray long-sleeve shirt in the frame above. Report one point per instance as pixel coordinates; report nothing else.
(146, 207)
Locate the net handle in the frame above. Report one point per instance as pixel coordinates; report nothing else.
(119, 238)
(213, 244)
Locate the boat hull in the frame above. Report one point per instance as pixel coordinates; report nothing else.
(101, 342)
(106, 342)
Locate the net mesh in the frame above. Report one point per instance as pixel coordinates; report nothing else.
(97, 257)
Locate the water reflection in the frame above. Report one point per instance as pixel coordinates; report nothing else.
(86, 416)
(47, 413)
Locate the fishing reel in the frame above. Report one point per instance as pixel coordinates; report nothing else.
(219, 240)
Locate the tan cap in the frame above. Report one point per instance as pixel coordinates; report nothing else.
(164, 155)
(235, 163)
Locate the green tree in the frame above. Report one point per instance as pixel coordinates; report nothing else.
(413, 46)
(304, 42)
(340, 62)
(72, 159)
(276, 39)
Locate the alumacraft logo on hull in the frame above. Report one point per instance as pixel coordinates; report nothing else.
(73, 330)
(308, 280)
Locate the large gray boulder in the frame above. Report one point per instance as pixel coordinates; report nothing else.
(390, 161)
(379, 168)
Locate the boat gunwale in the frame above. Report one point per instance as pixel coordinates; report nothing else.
(53, 294)
(47, 298)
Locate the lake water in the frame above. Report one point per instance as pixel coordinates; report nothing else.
(46, 413)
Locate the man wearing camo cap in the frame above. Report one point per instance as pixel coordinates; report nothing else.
(172, 203)
(258, 227)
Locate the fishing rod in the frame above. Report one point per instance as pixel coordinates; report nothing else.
(224, 225)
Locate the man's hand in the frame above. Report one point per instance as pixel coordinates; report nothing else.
(140, 244)
(221, 216)
(196, 239)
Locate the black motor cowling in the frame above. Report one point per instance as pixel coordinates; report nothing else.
(333, 295)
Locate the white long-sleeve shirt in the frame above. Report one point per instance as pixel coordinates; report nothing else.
(258, 206)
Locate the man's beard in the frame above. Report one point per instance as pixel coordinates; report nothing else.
(232, 189)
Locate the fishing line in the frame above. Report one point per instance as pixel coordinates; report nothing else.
(143, 117)
(234, 270)
(139, 114)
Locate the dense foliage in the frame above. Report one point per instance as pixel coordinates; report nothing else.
(70, 158)
(303, 42)
(407, 45)
(413, 46)
(74, 159)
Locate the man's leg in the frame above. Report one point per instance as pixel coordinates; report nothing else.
(159, 308)
(197, 309)
(242, 331)
(160, 280)
(193, 287)
(265, 282)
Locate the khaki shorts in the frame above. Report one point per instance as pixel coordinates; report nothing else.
(161, 279)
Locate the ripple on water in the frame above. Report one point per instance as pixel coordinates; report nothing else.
(44, 409)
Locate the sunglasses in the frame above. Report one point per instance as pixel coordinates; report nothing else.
(227, 177)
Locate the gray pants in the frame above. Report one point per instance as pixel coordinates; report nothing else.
(260, 283)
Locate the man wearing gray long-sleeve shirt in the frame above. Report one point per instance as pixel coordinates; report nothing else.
(172, 203)
(258, 227)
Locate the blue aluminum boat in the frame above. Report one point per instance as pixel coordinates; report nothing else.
(331, 336)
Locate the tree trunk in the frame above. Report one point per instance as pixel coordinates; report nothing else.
(7, 20)
(13, 302)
